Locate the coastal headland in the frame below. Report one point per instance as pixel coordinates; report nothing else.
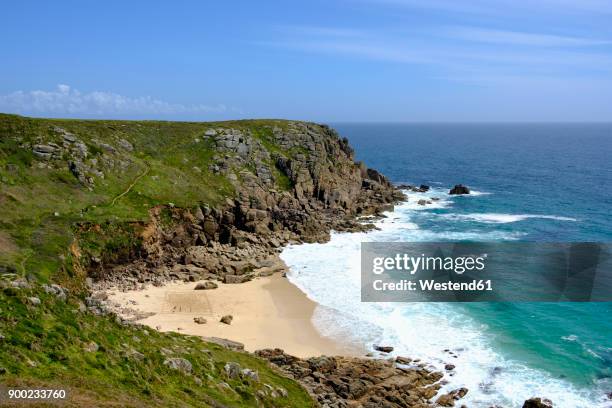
(108, 228)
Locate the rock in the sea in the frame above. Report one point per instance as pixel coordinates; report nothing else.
(207, 285)
(227, 319)
(448, 400)
(449, 367)
(424, 187)
(179, 364)
(403, 360)
(384, 349)
(199, 320)
(422, 202)
(538, 403)
(459, 189)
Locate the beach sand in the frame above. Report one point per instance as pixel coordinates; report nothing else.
(267, 312)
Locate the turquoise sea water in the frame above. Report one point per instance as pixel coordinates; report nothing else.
(546, 183)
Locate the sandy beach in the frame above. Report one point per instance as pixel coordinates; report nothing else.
(267, 312)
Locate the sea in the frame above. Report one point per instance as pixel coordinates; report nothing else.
(529, 182)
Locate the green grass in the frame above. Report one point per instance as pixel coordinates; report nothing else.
(169, 164)
(44, 347)
(51, 225)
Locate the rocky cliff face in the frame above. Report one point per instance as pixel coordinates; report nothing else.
(293, 183)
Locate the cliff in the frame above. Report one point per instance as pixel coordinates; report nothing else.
(95, 203)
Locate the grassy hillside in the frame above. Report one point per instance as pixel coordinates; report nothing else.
(98, 180)
(103, 363)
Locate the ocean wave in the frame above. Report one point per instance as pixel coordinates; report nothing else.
(574, 339)
(436, 197)
(498, 218)
(330, 274)
(475, 193)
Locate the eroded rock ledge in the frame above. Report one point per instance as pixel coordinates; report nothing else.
(338, 382)
(296, 184)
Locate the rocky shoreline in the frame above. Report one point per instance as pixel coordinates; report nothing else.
(240, 240)
(338, 382)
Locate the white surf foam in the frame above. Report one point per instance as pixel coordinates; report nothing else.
(475, 193)
(497, 218)
(329, 274)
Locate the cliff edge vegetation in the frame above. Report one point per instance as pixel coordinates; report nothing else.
(84, 203)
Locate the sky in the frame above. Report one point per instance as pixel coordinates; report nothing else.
(319, 60)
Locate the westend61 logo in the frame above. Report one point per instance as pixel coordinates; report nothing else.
(468, 272)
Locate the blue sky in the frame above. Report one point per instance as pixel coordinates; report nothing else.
(333, 60)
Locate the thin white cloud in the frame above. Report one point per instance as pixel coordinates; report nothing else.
(503, 7)
(416, 48)
(68, 101)
(521, 38)
(362, 49)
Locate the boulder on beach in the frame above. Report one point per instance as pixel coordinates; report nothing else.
(199, 320)
(207, 285)
(227, 319)
(459, 189)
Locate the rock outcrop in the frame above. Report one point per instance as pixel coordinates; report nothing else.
(346, 382)
(459, 189)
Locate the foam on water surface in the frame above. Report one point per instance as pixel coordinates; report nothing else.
(329, 274)
(496, 218)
